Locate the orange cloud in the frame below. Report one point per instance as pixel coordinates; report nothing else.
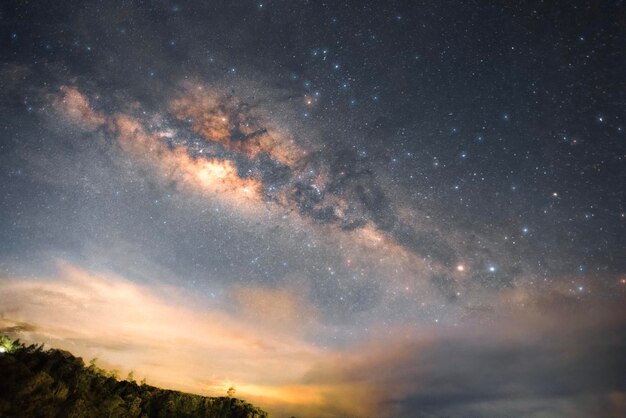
(279, 308)
(180, 342)
(174, 341)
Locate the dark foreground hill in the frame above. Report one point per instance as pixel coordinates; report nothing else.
(55, 384)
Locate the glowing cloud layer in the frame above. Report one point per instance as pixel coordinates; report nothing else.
(177, 340)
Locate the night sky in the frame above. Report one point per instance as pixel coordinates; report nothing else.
(389, 209)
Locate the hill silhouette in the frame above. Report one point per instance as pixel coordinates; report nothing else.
(55, 384)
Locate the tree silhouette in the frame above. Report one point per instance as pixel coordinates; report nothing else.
(37, 383)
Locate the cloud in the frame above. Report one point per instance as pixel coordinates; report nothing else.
(534, 360)
(525, 360)
(284, 308)
(159, 331)
(258, 342)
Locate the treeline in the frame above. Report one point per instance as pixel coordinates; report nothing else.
(54, 384)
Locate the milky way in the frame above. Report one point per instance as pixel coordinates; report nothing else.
(355, 209)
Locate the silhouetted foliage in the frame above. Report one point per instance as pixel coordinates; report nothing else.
(55, 384)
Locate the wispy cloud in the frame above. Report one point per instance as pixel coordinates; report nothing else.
(260, 343)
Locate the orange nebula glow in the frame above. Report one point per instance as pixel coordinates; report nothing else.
(223, 119)
(76, 107)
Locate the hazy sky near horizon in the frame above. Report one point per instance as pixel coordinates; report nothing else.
(340, 208)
